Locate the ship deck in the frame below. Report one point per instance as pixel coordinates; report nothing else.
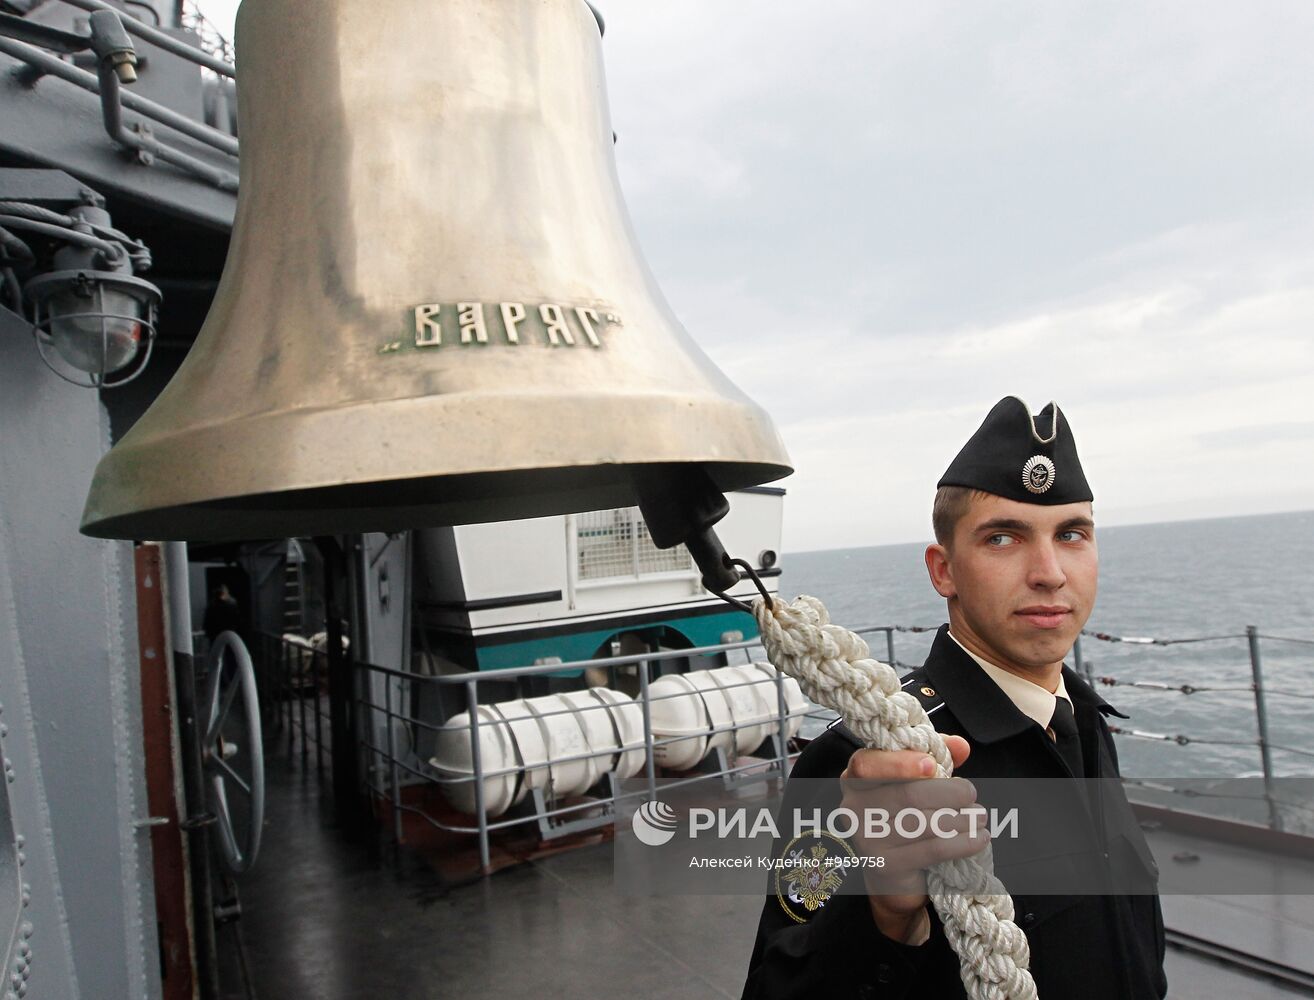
(337, 917)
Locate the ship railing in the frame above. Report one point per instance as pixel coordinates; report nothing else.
(1255, 689)
(553, 817)
(292, 677)
(295, 697)
(294, 693)
(1254, 686)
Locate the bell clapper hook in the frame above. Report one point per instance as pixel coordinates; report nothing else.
(749, 573)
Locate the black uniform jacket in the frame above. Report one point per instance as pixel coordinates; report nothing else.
(1102, 947)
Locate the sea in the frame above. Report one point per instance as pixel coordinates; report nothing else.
(1193, 587)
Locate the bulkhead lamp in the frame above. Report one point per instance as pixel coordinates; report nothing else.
(97, 322)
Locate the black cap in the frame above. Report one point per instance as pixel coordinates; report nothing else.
(1021, 457)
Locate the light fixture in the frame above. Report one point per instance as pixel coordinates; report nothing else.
(97, 323)
(92, 317)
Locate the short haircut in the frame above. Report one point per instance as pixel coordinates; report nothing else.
(951, 505)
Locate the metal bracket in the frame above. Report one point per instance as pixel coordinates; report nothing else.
(48, 188)
(718, 763)
(198, 821)
(227, 912)
(551, 828)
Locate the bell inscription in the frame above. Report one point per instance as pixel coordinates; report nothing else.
(435, 324)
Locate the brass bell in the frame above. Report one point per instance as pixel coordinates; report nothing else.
(434, 310)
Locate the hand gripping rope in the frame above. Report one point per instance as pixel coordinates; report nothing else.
(836, 670)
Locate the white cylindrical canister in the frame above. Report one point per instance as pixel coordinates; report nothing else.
(529, 740)
(735, 708)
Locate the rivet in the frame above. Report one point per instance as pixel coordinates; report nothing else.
(928, 691)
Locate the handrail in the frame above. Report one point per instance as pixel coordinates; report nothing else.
(140, 139)
(629, 659)
(407, 766)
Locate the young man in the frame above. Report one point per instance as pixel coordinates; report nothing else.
(1016, 561)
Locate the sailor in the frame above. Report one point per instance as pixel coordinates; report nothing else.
(1016, 561)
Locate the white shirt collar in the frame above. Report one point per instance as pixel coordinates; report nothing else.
(1030, 698)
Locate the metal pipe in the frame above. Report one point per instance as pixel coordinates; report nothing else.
(629, 659)
(572, 559)
(301, 711)
(111, 251)
(36, 213)
(45, 35)
(285, 686)
(1079, 661)
(15, 250)
(650, 763)
(513, 673)
(53, 66)
(782, 721)
(15, 290)
(159, 39)
(395, 792)
(1261, 718)
(315, 662)
(147, 146)
(341, 684)
(476, 766)
(889, 647)
(189, 732)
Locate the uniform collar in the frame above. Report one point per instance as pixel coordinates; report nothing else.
(976, 701)
(1027, 697)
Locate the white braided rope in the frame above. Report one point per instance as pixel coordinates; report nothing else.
(835, 669)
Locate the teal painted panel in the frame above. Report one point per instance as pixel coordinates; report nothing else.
(704, 630)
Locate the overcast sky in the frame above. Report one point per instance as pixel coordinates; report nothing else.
(879, 218)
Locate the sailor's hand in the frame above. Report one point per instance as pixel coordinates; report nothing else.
(894, 782)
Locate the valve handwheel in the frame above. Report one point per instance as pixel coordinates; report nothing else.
(232, 753)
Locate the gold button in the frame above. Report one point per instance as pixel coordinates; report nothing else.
(929, 692)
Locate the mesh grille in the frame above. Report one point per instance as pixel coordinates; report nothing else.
(616, 543)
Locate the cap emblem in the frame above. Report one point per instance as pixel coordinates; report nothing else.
(1038, 474)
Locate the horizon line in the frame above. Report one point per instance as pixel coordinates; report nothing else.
(1132, 524)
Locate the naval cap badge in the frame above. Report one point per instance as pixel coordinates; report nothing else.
(1038, 474)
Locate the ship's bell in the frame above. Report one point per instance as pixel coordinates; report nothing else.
(434, 310)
